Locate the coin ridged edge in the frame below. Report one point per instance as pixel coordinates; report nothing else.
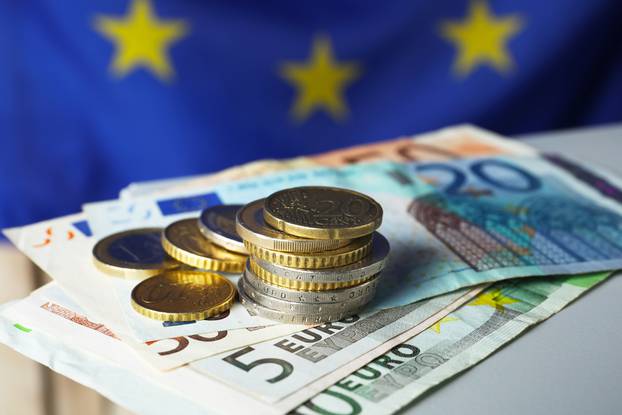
(312, 297)
(198, 261)
(290, 245)
(299, 307)
(291, 318)
(372, 263)
(285, 245)
(324, 259)
(303, 285)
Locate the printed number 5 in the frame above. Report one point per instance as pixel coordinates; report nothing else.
(286, 367)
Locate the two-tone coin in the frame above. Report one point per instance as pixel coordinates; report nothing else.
(328, 278)
(184, 241)
(353, 252)
(303, 308)
(312, 297)
(135, 254)
(183, 295)
(217, 224)
(252, 227)
(320, 212)
(287, 316)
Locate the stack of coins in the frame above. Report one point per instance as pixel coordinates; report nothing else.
(176, 261)
(314, 254)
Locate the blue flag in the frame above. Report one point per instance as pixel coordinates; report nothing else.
(96, 94)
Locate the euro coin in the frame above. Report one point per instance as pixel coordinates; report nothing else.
(304, 308)
(135, 254)
(251, 226)
(183, 295)
(325, 279)
(346, 255)
(312, 297)
(184, 241)
(287, 316)
(322, 212)
(217, 224)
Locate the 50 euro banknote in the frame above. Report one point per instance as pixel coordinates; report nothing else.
(49, 306)
(62, 248)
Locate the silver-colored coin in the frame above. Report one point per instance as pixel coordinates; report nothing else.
(312, 297)
(217, 224)
(286, 316)
(303, 308)
(372, 264)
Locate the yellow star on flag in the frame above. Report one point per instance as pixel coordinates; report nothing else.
(493, 298)
(141, 39)
(437, 327)
(481, 39)
(320, 82)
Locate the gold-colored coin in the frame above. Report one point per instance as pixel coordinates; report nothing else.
(319, 212)
(250, 225)
(303, 285)
(136, 253)
(183, 295)
(183, 241)
(349, 254)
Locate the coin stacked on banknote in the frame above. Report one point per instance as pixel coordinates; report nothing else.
(209, 243)
(315, 255)
(178, 262)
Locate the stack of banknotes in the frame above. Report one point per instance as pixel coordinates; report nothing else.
(487, 237)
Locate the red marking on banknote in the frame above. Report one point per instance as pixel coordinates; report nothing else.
(47, 240)
(77, 318)
(48, 237)
(407, 149)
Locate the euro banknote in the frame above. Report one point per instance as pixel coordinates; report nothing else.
(522, 216)
(62, 248)
(49, 306)
(323, 354)
(446, 144)
(455, 343)
(434, 249)
(47, 236)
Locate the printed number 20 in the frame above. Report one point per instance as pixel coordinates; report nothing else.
(478, 168)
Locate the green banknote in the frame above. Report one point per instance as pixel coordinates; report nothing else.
(455, 343)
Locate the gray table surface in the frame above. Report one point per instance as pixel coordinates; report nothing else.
(569, 364)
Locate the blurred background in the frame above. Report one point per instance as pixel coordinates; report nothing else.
(97, 94)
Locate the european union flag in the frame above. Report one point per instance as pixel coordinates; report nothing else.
(95, 94)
